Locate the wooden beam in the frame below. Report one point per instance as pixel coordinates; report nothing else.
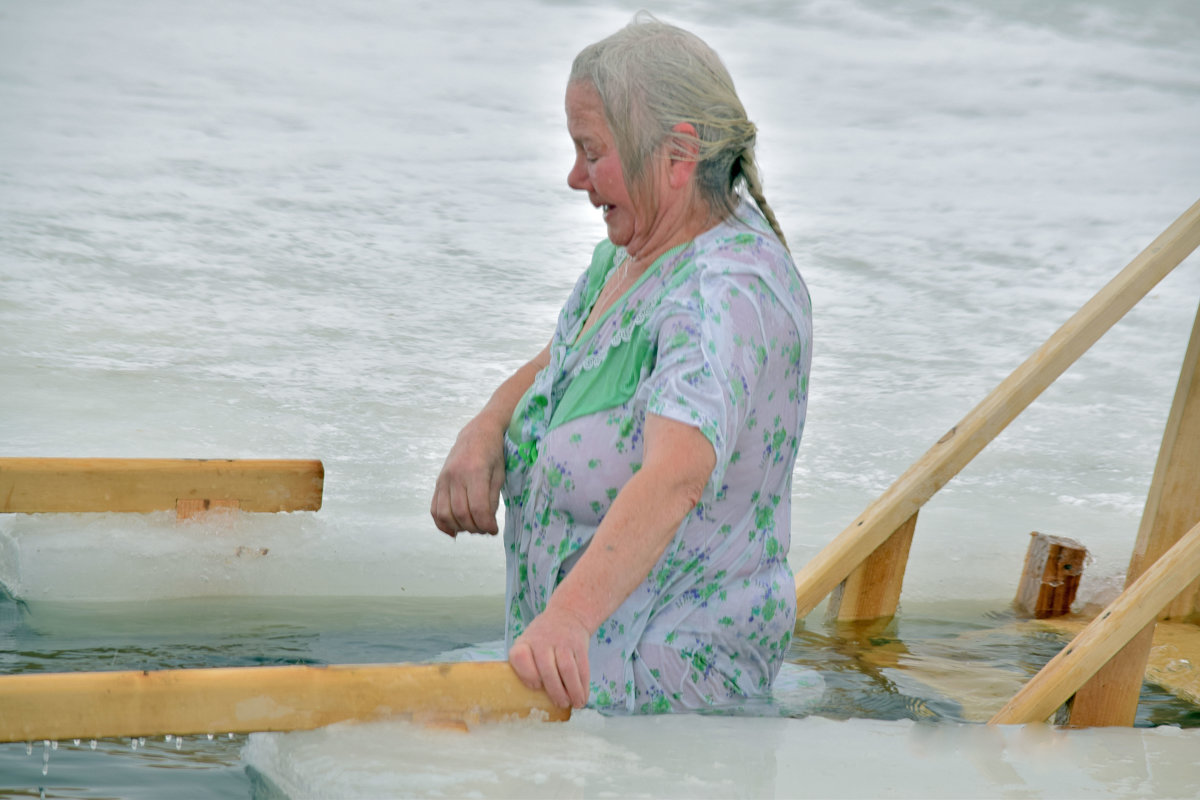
(964, 441)
(1110, 697)
(1173, 503)
(872, 591)
(39, 485)
(1124, 619)
(92, 705)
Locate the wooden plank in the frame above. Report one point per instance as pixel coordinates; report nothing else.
(1110, 697)
(872, 590)
(816, 579)
(1173, 503)
(1053, 567)
(1124, 618)
(247, 699)
(38, 485)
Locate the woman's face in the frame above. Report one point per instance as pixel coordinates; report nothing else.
(597, 169)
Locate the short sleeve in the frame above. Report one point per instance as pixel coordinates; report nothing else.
(710, 353)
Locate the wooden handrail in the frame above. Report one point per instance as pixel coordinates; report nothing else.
(964, 441)
(41, 485)
(79, 705)
(1124, 618)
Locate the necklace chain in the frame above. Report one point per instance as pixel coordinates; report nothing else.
(617, 279)
(617, 284)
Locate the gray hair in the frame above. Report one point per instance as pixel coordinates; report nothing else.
(651, 76)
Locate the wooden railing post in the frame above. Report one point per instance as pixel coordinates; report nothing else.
(1110, 697)
(1172, 506)
(872, 591)
(1173, 503)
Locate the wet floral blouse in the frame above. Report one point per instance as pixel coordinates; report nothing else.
(716, 334)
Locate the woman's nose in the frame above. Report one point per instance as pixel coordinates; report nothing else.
(577, 177)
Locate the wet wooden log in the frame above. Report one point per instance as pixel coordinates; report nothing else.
(248, 699)
(1053, 567)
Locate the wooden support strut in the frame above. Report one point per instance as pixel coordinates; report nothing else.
(1110, 697)
(964, 441)
(54, 485)
(872, 591)
(1117, 625)
(1172, 504)
(79, 705)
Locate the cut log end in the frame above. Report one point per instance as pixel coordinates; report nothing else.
(1053, 568)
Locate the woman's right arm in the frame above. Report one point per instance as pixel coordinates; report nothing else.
(467, 492)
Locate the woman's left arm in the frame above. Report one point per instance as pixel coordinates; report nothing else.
(552, 652)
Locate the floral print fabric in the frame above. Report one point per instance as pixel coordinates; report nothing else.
(716, 334)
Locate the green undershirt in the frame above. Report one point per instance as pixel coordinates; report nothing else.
(616, 378)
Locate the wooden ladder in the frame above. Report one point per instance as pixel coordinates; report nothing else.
(863, 567)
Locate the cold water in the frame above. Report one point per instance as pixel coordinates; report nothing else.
(328, 230)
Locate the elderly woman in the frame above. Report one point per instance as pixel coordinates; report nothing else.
(646, 454)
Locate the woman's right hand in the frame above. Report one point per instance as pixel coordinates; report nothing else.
(467, 492)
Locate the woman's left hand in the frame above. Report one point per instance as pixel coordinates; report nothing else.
(552, 654)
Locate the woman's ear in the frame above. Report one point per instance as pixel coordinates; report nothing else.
(684, 151)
